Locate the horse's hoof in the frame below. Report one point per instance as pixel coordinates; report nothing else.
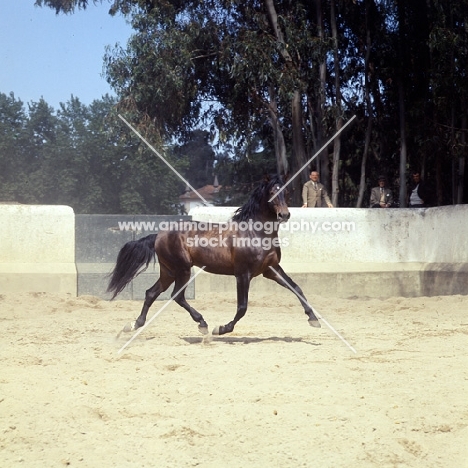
(203, 330)
(215, 331)
(315, 323)
(129, 327)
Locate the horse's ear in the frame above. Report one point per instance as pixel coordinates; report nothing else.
(269, 177)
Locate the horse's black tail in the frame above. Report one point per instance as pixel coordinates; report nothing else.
(132, 257)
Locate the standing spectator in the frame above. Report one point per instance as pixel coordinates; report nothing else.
(314, 194)
(418, 194)
(381, 196)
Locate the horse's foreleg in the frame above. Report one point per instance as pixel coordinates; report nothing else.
(243, 284)
(277, 274)
(180, 285)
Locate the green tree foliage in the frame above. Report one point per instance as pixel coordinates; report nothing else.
(240, 170)
(12, 141)
(63, 6)
(266, 71)
(200, 156)
(80, 156)
(221, 63)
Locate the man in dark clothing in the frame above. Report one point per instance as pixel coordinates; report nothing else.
(418, 194)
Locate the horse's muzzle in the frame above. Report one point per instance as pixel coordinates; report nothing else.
(284, 216)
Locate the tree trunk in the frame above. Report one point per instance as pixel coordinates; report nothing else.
(362, 181)
(322, 158)
(401, 102)
(403, 147)
(454, 161)
(299, 150)
(461, 162)
(282, 165)
(339, 119)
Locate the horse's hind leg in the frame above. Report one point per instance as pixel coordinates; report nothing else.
(277, 274)
(180, 286)
(164, 281)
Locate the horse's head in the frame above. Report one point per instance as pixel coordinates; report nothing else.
(276, 200)
(267, 202)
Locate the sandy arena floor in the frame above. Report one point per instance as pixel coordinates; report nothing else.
(275, 393)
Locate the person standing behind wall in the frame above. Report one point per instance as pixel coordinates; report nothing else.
(314, 194)
(381, 196)
(418, 193)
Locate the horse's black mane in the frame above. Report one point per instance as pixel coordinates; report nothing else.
(252, 206)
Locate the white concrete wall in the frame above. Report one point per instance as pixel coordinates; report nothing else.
(37, 249)
(395, 247)
(351, 235)
(409, 252)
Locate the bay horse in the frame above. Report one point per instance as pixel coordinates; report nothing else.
(245, 247)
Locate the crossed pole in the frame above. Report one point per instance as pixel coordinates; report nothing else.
(152, 148)
(205, 202)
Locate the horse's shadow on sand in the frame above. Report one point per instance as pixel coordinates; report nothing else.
(244, 340)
